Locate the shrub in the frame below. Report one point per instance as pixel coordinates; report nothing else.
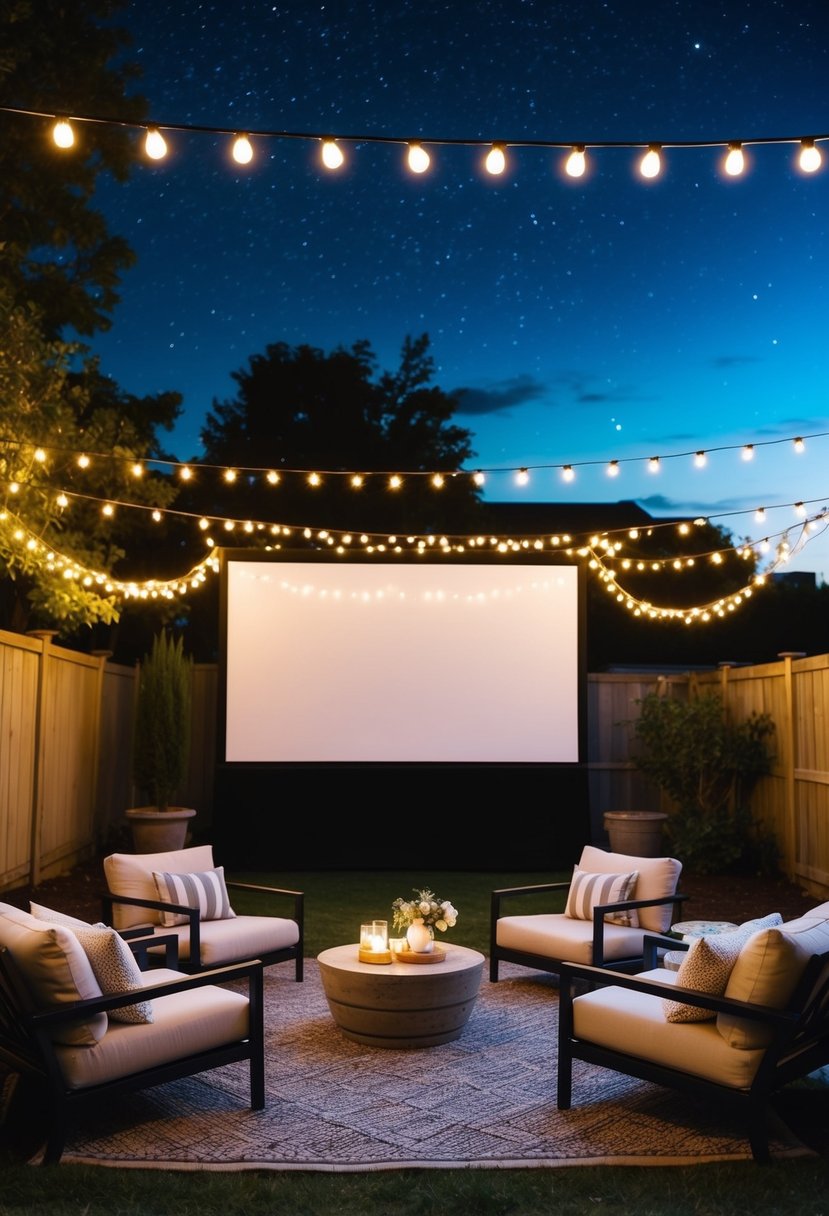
(708, 767)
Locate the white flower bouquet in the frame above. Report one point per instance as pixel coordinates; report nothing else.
(435, 913)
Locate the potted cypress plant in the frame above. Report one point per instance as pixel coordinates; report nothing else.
(161, 745)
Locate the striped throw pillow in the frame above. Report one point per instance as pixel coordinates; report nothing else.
(205, 891)
(590, 890)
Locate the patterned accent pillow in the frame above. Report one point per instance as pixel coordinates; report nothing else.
(588, 891)
(113, 963)
(708, 965)
(205, 891)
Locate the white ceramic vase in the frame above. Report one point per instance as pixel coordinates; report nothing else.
(419, 937)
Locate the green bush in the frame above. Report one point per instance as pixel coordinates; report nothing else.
(161, 740)
(708, 767)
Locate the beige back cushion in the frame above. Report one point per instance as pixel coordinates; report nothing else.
(132, 874)
(56, 971)
(657, 876)
(766, 973)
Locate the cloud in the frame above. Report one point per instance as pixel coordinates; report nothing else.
(499, 397)
(733, 360)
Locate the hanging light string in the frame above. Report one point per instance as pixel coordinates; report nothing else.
(332, 156)
(186, 471)
(599, 550)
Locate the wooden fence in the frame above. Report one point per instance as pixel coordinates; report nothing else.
(66, 728)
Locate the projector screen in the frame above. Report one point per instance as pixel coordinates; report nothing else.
(418, 660)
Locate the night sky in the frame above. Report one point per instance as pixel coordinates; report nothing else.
(585, 320)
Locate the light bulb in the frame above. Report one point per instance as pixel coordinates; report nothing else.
(62, 133)
(613, 468)
(651, 162)
(522, 477)
(496, 161)
(734, 161)
(653, 464)
(799, 445)
(700, 460)
(576, 163)
(568, 473)
(800, 509)
(419, 159)
(748, 452)
(155, 145)
(242, 150)
(332, 156)
(810, 158)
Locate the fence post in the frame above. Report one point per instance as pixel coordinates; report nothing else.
(789, 818)
(45, 636)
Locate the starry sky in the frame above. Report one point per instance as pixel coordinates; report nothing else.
(581, 321)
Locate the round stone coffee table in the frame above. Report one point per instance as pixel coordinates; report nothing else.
(401, 1004)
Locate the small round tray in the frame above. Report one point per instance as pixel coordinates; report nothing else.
(436, 955)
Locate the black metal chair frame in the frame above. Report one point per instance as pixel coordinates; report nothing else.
(799, 1043)
(543, 962)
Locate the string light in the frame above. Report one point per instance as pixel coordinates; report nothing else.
(418, 158)
(613, 468)
(155, 144)
(568, 473)
(809, 155)
(810, 158)
(798, 444)
(748, 451)
(64, 136)
(651, 163)
(242, 150)
(576, 162)
(700, 460)
(735, 160)
(332, 154)
(496, 161)
(653, 464)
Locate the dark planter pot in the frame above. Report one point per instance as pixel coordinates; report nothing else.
(638, 833)
(155, 831)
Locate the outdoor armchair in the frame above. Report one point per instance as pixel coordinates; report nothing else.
(184, 893)
(613, 899)
(80, 1022)
(746, 1014)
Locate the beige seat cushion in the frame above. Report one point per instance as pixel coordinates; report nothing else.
(56, 971)
(184, 1023)
(554, 935)
(634, 1022)
(242, 937)
(658, 876)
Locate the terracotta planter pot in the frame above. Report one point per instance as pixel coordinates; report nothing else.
(155, 831)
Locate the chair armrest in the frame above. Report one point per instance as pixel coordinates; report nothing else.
(108, 899)
(601, 910)
(503, 894)
(252, 971)
(571, 974)
(296, 898)
(654, 942)
(139, 942)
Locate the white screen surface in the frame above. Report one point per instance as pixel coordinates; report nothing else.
(367, 662)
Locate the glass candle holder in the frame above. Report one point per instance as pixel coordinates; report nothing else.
(374, 942)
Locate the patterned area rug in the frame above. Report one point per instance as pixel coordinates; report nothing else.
(486, 1101)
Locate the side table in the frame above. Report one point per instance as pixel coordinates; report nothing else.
(399, 1004)
(689, 930)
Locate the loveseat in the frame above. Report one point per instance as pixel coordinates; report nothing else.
(80, 1020)
(745, 1013)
